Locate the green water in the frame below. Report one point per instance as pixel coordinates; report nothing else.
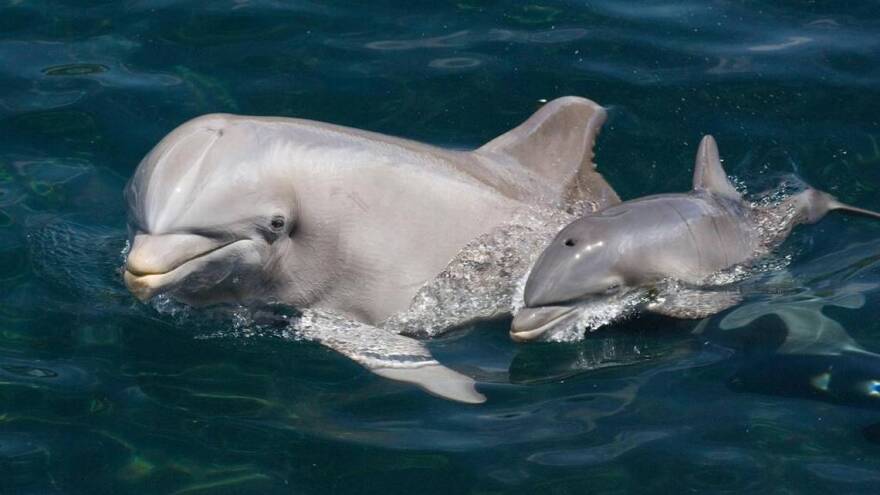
(101, 394)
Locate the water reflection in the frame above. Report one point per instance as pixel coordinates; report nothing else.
(601, 454)
(791, 346)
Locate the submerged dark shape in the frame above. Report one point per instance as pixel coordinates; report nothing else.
(646, 243)
(792, 348)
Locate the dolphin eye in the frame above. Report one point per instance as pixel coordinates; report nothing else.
(277, 223)
(569, 242)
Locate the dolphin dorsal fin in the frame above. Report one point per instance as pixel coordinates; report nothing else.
(556, 143)
(709, 175)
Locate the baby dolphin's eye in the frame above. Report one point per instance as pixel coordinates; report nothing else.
(277, 223)
(569, 242)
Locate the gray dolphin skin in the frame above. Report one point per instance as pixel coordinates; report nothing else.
(256, 210)
(646, 242)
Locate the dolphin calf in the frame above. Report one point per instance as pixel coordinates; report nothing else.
(256, 210)
(668, 246)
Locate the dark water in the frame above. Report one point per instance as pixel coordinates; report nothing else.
(100, 394)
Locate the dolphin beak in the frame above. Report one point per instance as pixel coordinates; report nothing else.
(143, 287)
(532, 323)
(152, 258)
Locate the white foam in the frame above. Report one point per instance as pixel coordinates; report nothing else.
(485, 280)
(597, 314)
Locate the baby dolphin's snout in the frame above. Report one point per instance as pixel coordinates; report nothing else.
(531, 323)
(578, 265)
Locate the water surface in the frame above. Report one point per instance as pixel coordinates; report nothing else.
(100, 394)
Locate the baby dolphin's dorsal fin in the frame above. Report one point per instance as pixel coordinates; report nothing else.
(709, 175)
(556, 143)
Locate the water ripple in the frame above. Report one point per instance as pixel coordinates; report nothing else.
(215, 400)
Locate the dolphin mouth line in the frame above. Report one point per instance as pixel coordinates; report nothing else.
(522, 331)
(146, 285)
(200, 255)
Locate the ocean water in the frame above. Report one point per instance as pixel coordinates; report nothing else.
(102, 394)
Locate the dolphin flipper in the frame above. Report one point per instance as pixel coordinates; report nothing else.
(693, 304)
(556, 143)
(437, 380)
(388, 355)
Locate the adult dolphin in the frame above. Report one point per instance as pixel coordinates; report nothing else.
(264, 209)
(649, 242)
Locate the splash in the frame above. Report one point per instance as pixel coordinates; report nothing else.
(370, 346)
(774, 216)
(597, 314)
(165, 305)
(485, 279)
(602, 313)
(227, 321)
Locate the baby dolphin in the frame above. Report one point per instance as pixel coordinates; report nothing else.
(648, 242)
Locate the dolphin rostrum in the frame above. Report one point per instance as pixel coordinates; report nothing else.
(669, 246)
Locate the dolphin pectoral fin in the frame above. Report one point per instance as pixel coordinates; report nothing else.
(387, 354)
(556, 143)
(693, 304)
(438, 380)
